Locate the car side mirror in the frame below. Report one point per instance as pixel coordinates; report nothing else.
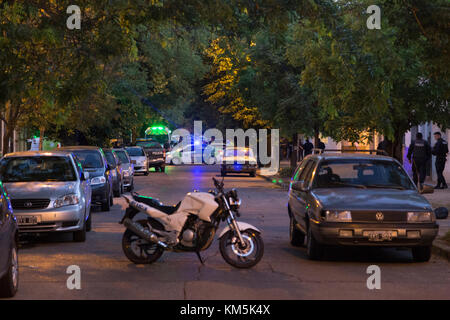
(426, 189)
(441, 213)
(300, 186)
(85, 176)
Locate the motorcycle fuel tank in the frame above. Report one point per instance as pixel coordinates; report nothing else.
(201, 204)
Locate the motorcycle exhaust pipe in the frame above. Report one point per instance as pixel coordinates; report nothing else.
(142, 232)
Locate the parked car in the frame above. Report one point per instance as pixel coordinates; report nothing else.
(139, 159)
(9, 239)
(127, 168)
(358, 200)
(116, 172)
(156, 155)
(238, 160)
(94, 162)
(49, 192)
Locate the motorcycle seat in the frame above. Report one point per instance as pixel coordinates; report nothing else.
(154, 203)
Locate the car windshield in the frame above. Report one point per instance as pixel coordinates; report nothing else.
(110, 158)
(123, 156)
(135, 152)
(149, 145)
(89, 158)
(361, 174)
(37, 168)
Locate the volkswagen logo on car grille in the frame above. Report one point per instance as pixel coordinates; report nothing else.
(379, 216)
(28, 204)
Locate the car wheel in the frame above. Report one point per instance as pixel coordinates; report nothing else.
(313, 248)
(117, 192)
(80, 236)
(111, 200)
(296, 237)
(106, 206)
(162, 169)
(9, 283)
(252, 174)
(89, 222)
(421, 254)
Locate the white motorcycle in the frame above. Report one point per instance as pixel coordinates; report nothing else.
(190, 226)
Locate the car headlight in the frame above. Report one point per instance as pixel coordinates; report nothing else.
(417, 217)
(98, 180)
(338, 216)
(66, 200)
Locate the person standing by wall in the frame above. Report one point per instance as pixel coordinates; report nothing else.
(308, 147)
(419, 153)
(440, 150)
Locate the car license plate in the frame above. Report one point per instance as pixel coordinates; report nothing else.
(379, 236)
(28, 220)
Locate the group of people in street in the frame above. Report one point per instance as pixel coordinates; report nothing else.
(303, 148)
(420, 152)
(419, 155)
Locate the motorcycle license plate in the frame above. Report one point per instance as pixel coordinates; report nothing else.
(378, 236)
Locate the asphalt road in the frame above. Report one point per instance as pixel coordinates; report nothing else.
(284, 272)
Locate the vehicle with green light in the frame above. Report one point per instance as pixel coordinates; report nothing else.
(157, 133)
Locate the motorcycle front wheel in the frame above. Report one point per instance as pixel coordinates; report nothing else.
(138, 250)
(239, 256)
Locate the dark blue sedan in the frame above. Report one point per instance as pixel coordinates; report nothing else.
(9, 266)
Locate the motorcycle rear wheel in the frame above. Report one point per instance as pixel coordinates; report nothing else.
(242, 258)
(138, 250)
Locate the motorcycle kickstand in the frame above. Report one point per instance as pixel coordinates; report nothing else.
(200, 258)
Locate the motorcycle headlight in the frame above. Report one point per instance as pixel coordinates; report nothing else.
(338, 216)
(98, 180)
(417, 217)
(235, 203)
(126, 173)
(66, 200)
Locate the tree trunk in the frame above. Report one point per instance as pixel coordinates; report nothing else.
(41, 137)
(395, 147)
(316, 138)
(294, 151)
(6, 140)
(398, 145)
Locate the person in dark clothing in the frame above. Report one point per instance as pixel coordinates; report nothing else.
(419, 152)
(440, 150)
(320, 145)
(308, 147)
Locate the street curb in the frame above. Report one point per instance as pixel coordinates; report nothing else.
(441, 248)
(283, 185)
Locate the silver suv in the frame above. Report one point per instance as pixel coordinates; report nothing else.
(49, 192)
